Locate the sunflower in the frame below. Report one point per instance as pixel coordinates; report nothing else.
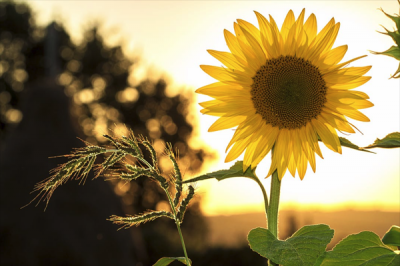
(284, 89)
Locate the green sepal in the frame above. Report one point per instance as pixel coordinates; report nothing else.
(396, 19)
(396, 75)
(301, 249)
(360, 249)
(391, 141)
(347, 143)
(167, 260)
(393, 51)
(235, 171)
(392, 237)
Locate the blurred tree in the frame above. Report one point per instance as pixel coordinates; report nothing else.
(16, 28)
(95, 77)
(73, 231)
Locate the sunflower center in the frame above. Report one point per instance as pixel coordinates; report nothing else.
(288, 92)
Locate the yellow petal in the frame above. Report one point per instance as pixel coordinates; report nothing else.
(354, 114)
(325, 134)
(240, 111)
(292, 166)
(249, 153)
(346, 63)
(237, 149)
(267, 142)
(228, 59)
(310, 27)
(219, 89)
(346, 75)
(226, 122)
(234, 47)
(287, 24)
(320, 46)
(337, 121)
(302, 167)
(300, 19)
(258, 51)
(226, 76)
(246, 128)
(250, 28)
(351, 85)
(335, 55)
(268, 37)
(322, 34)
(311, 135)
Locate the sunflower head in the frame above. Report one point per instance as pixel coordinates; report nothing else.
(284, 89)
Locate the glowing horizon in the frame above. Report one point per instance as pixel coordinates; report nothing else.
(352, 180)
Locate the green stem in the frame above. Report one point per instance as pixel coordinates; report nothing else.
(183, 243)
(274, 204)
(273, 209)
(264, 194)
(178, 226)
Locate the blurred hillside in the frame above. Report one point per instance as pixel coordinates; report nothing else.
(231, 231)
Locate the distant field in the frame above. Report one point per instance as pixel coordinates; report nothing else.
(231, 231)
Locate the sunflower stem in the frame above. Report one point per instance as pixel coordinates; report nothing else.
(273, 208)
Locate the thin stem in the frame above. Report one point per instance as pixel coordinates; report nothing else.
(178, 226)
(183, 243)
(265, 196)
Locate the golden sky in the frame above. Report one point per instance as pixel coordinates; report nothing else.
(173, 36)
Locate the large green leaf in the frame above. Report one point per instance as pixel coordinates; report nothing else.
(392, 237)
(167, 260)
(301, 249)
(361, 249)
(235, 171)
(347, 143)
(392, 140)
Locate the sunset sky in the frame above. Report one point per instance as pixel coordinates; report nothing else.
(172, 37)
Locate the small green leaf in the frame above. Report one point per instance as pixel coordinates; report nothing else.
(301, 249)
(347, 143)
(392, 237)
(235, 171)
(392, 140)
(361, 249)
(166, 261)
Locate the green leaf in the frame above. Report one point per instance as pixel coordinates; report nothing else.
(392, 140)
(361, 249)
(301, 249)
(167, 260)
(392, 237)
(347, 143)
(235, 171)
